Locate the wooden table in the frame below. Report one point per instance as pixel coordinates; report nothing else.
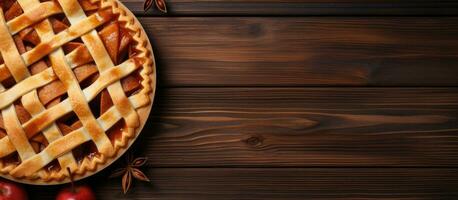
(299, 99)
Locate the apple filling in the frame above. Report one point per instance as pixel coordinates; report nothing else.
(120, 46)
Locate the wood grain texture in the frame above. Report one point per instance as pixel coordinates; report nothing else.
(251, 51)
(235, 116)
(302, 127)
(301, 7)
(292, 183)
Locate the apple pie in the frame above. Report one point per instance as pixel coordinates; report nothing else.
(77, 80)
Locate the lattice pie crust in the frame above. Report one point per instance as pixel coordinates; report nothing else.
(76, 88)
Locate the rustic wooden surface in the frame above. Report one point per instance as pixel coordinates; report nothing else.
(303, 127)
(298, 99)
(305, 51)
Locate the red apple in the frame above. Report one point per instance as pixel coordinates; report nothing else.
(11, 191)
(76, 193)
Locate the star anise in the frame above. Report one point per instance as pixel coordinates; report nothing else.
(131, 170)
(160, 4)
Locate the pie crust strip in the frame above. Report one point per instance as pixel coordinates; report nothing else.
(10, 54)
(31, 83)
(33, 14)
(73, 32)
(18, 69)
(31, 100)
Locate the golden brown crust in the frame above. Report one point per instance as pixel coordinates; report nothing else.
(143, 99)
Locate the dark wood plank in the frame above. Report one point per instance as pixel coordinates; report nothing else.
(292, 183)
(278, 127)
(227, 51)
(302, 7)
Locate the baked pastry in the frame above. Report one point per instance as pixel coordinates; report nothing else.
(77, 81)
